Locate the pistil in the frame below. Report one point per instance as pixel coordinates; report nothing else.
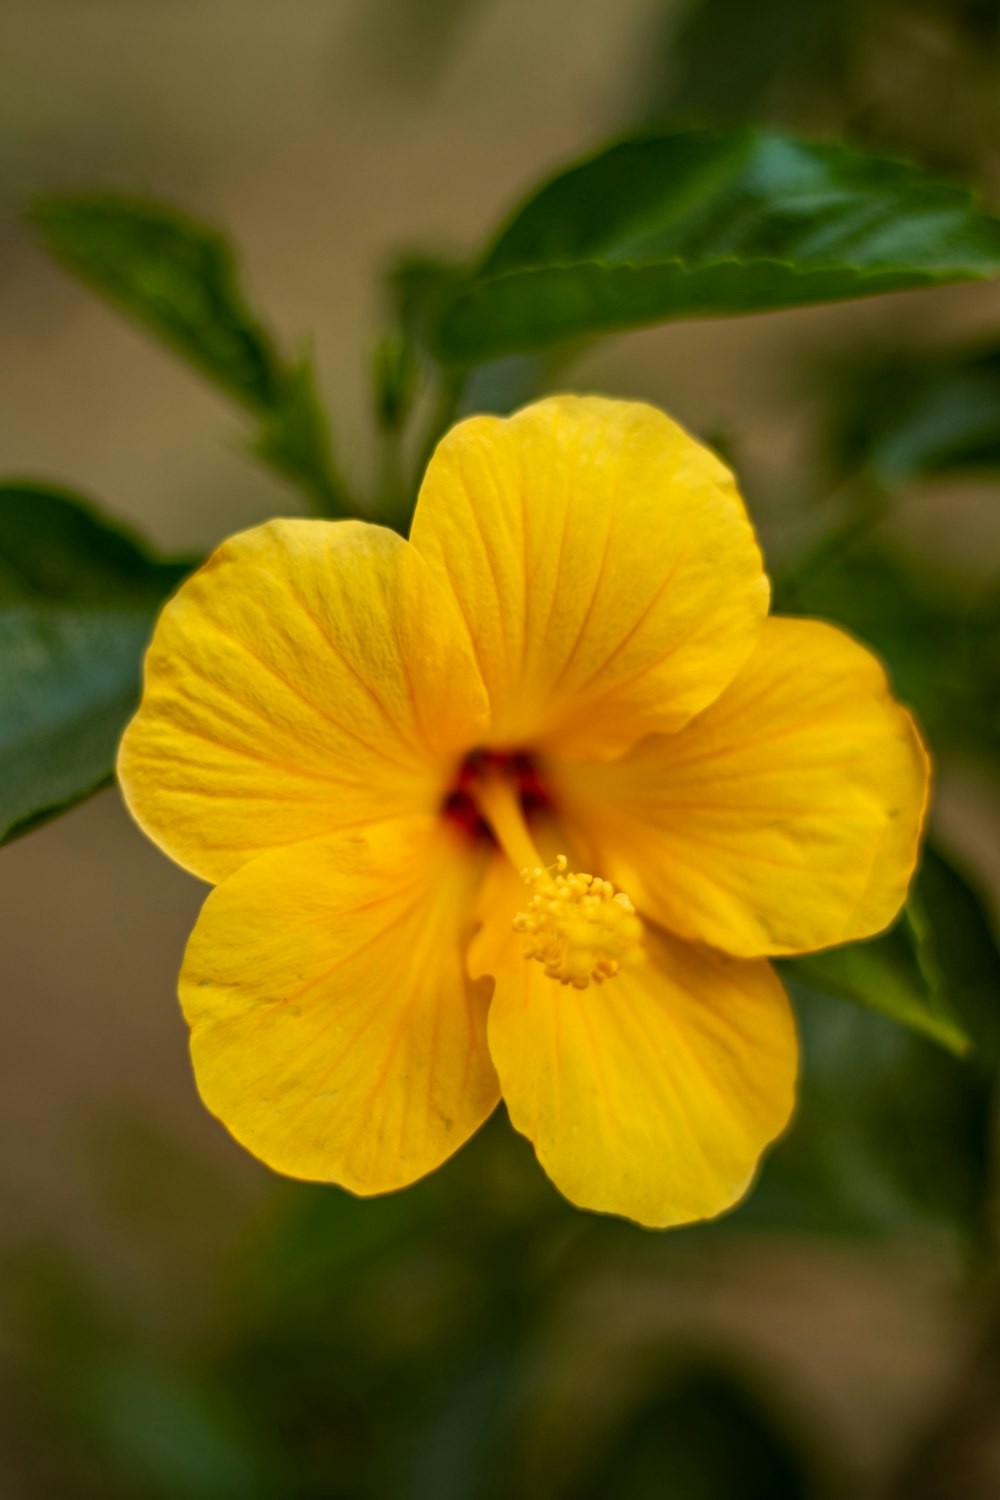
(501, 806)
(577, 926)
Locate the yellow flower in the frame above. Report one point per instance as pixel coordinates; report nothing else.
(518, 807)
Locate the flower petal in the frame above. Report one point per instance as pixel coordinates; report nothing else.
(605, 566)
(311, 677)
(785, 818)
(654, 1094)
(333, 1029)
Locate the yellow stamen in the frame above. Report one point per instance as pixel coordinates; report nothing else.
(578, 926)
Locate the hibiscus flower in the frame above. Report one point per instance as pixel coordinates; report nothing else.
(518, 808)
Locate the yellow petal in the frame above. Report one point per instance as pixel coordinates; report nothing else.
(654, 1094)
(311, 677)
(333, 1029)
(604, 564)
(785, 818)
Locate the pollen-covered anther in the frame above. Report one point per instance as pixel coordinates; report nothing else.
(578, 927)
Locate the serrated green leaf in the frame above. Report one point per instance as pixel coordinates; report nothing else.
(698, 222)
(178, 278)
(78, 597)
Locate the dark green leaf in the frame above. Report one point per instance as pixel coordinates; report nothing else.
(892, 1133)
(77, 601)
(956, 946)
(886, 975)
(175, 276)
(396, 373)
(178, 278)
(421, 288)
(937, 971)
(697, 222)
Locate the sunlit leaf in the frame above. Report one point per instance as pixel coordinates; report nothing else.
(179, 279)
(77, 602)
(697, 222)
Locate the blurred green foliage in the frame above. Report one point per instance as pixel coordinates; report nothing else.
(449, 1343)
(911, 416)
(179, 279)
(78, 598)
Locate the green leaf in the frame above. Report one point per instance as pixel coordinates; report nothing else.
(77, 602)
(175, 276)
(957, 948)
(886, 975)
(698, 222)
(892, 1134)
(396, 379)
(937, 971)
(179, 279)
(420, 289)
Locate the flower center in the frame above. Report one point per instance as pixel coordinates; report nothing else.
(578, 927)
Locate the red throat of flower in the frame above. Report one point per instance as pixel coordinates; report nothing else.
(463, 806)
(576, 925)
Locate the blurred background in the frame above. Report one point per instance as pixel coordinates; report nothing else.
(176, 1322)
